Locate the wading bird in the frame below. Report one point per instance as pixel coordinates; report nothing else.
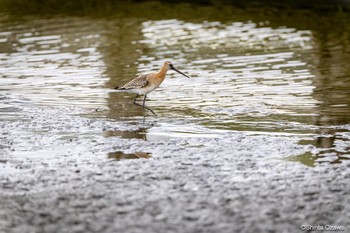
(146, 83)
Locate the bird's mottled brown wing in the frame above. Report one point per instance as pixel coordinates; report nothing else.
(138, 82)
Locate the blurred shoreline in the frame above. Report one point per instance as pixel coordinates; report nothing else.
(109, 7)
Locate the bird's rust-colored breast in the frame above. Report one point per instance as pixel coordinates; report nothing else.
(156, 78)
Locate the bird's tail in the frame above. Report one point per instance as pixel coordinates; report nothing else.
(120, 89)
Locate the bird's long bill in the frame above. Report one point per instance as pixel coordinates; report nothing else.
(173, 68)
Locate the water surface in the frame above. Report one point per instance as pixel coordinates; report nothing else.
(249, 73)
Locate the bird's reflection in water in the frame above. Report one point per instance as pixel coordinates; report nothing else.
(119, 155)
(137, 134)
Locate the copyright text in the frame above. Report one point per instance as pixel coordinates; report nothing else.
(322, 228)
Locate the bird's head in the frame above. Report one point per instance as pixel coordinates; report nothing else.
(171, 66)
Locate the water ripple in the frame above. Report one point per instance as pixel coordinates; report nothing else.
(225, 79)
(52, 65)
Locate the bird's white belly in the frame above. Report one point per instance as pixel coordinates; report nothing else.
(145, 90)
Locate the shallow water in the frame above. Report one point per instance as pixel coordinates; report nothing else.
(248, 74)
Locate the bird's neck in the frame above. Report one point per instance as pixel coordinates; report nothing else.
(162, 72)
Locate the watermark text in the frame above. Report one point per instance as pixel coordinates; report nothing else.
(307, 227)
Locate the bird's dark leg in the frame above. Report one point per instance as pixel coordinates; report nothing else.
(144, 105)
(137, 95)
(151, 111)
